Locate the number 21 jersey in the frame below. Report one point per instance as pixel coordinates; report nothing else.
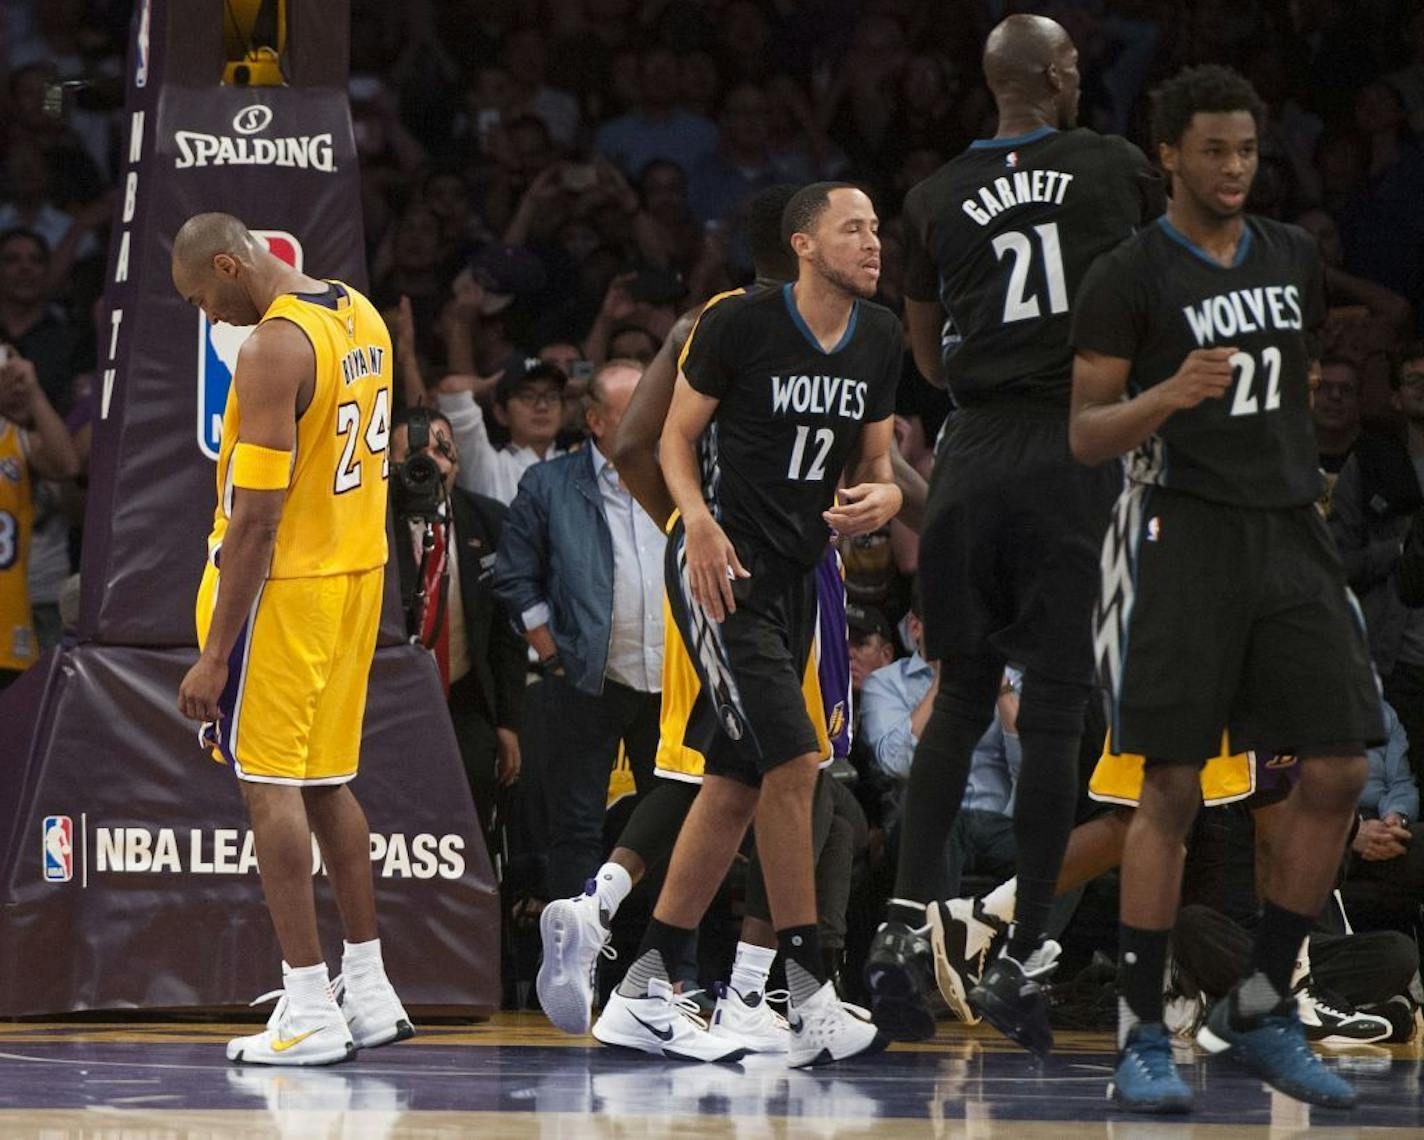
(1002, 236)
(334, 518)
(789, 414)
(1157, 298)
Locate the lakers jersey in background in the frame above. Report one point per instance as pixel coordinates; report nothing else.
(334, 520)
(17, 634)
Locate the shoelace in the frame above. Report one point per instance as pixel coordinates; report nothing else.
(1154, 1059)
(688, 1008)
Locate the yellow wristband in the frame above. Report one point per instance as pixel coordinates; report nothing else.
(260, 468)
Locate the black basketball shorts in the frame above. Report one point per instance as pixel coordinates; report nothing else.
(751, 714)
(1214, 616)
(1010, 545)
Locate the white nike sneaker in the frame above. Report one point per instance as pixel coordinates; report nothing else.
(371, 1008)
(312, 1037)
(749, 1020)
(824, 1030)
(663, 1024)
(573, 934)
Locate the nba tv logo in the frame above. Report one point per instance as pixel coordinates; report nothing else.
(218, 346)
(57, 845)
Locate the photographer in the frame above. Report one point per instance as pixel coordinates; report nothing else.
(447, 589)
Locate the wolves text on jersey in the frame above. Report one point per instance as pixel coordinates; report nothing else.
(818, 395)
(1227, 315)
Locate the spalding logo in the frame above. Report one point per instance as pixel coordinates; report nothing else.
(252, 119)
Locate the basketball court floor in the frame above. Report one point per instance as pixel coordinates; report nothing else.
(517, 1077)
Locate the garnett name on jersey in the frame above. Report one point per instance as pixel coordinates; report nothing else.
(1241, 311)
(818, 395)
(1023, 188)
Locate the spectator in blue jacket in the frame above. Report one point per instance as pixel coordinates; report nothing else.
(580, 566)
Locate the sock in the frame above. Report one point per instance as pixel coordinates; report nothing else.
(805, 972)
(1047, 799)
(1000, 901)
(661, 944)
(751, 968)
(908, 911)
(357, 957)
(1302, 964)
(611, 886)
(1142, 959)
(1278, 937)
(309, 987)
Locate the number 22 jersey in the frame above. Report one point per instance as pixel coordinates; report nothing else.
(789, 414)
(334, 518)
(1157, 298)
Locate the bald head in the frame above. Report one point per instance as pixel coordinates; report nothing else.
(1030, 62)
(215, 263)
(203, 236)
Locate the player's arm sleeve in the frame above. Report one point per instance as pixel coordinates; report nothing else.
(521, 567)
(921, 273)
(705, 359)
(1106, 315)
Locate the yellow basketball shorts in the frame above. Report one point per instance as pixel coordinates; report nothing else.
(1225, 778)
(296, 687)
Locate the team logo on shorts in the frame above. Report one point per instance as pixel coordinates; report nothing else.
(837, 724)
(218, 346)
(10, 470)
(57, 846)
(731, 722)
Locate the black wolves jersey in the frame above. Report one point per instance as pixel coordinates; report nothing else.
(1158, 297)
(1002, 236)
(789, 415)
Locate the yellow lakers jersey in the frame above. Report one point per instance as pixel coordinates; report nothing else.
(17, 512)
(334, 519)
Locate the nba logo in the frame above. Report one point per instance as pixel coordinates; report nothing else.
(58, 847)
(218, 346)
(1011, 159)
(144, 24)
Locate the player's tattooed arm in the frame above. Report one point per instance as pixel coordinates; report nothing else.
(924, 322)
(871, 498)
(274, 378)
(1102, 424)
(711, 559)
(635, 455)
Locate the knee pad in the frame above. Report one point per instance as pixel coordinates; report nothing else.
(1048, 705)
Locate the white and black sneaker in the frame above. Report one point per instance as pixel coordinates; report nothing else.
(372, 1010)
(749, 1020)
(825, 1030)
(963, 940)
(574, 932)
(663, 1024)
(1330, 1020)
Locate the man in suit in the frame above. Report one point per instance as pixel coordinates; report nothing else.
(482, 660)
(581, 569)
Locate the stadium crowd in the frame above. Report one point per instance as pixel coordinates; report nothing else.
(547, 187)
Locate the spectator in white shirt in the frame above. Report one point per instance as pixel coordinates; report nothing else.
(529, 404)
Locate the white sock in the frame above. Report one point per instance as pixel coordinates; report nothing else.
(1302, 963)
(359, 956)
(1000, 901)
(309, 987)
(751, 968)
(611, 886)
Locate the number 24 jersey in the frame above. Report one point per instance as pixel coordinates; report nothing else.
(789, 414)
(334, 518)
